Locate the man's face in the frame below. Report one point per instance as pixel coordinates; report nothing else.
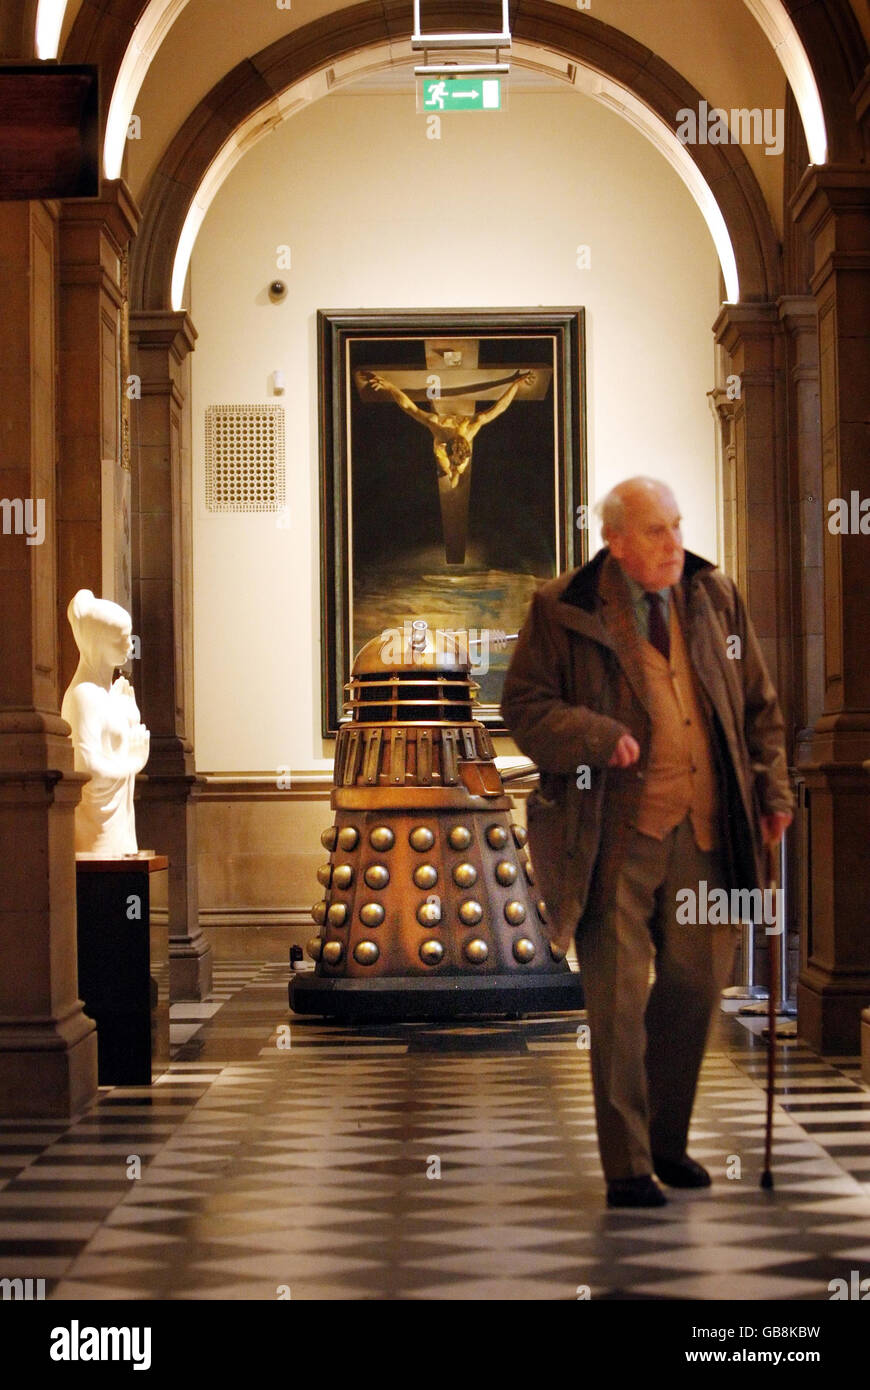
(650, 548)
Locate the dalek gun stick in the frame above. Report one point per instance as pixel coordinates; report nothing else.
(430, 908)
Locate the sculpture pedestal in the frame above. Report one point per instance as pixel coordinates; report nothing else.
(123, 961)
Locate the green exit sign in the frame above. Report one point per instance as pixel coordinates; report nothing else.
(441, 94)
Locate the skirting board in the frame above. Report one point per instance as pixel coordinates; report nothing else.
(265, 934)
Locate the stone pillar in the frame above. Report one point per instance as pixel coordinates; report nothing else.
(162, 603)
(832, 203)
(48, 1048)
(722, 405)
(752, 409)
(799, 318)
(94, 473)
(752, 336)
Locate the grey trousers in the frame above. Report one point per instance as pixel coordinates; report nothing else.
(647, 1043)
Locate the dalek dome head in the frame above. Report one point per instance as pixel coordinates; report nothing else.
(413, 673)
(414, 647)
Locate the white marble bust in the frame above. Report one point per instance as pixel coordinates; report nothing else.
(111, 743)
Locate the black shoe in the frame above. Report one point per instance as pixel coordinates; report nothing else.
(682, 1172)
(635, 1192)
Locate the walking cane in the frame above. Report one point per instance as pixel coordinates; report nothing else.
(767, 1174)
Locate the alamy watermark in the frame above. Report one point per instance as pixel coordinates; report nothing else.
(849, 517)
(24, 517)
(420, 645)
(719, 906)
(857, 1289)
(22, 1290)
(77, 1343)
(710, 125)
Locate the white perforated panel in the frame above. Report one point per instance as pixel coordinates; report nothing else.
(244, 458)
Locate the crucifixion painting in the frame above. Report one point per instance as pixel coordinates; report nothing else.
(452, 465)
(463, 399)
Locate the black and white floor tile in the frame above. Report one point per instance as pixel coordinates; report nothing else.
(284, 1156)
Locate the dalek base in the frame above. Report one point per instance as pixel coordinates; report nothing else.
(399, 999)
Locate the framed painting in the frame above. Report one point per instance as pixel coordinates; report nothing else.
(453, 465)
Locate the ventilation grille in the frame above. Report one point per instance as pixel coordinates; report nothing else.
(244, 458)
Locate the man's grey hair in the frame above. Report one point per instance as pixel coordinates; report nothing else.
(611, 509)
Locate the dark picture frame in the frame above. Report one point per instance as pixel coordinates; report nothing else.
(394, 503)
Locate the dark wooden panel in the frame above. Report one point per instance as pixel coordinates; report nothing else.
(49, 131)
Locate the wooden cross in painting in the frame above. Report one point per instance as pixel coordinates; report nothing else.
(464, 398)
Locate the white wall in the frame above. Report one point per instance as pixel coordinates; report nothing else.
(380, 217)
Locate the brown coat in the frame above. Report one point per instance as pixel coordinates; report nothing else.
(576, 684)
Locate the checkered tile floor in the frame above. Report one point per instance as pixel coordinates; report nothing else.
(425, 1162)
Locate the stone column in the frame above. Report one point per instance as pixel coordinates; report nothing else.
(162, 603)
(94, 473)
(48, 1048)
(833, 204)
(752, 408)
(722, 405)
(752, 336)
(799, 318)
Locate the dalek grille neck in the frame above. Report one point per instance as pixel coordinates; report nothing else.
(412, 698)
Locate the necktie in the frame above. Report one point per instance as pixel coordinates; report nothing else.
(658, 633)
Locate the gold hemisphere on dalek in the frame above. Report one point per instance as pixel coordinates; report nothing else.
(429, 914)
(432, 952)
(427, 907)
(421, 838)
(382, 838)
(372, 914)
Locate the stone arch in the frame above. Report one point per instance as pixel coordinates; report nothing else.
(837, 50)
(18, 28)
(828, 29)
(259, 79)
(101, 33)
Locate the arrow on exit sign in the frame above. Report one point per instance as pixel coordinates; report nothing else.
(461, 94)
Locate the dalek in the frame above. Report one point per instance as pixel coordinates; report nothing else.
(429, 908)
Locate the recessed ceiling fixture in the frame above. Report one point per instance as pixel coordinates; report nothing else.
(435, 44)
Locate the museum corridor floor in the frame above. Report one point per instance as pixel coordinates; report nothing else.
(313, 1169)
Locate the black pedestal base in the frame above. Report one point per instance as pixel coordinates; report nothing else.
(409, 998)
(123, 965)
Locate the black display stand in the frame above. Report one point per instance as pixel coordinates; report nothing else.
(123, 959)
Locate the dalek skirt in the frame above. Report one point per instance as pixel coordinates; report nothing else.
(429, 907)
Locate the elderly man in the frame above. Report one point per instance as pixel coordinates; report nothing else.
(639, 689)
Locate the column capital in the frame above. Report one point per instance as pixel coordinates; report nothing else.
(832, 205)
(829, 188)
(36, 741)
(169, 328)
(115, 211)
(722, 404)
(736, 324)
(798, 311)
